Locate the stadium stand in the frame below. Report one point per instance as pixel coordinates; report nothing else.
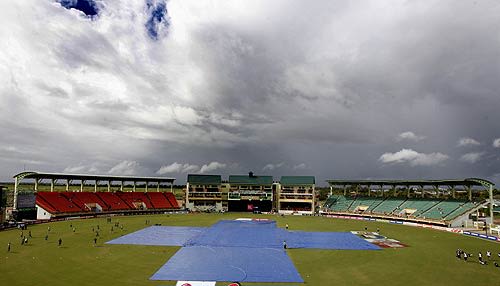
(59, 202)
(70, 203)
(341, 204)
(433, 210)
(362, 204)
(442, 209)
(389, 205)
(158, 201)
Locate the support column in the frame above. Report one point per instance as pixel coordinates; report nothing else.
(52, 181)
(134, 186)
(453, 191)
(313, 203)
(187, 196)
(121, 186)
(67, 184)
(82, 182)
(16, 191)
(36, 185)
(393, 190)
(491, 206)
(407, 191)
(95, 186)
(422, 190)
(469, 189)
(172, 187)
(369, 190)
(345, 190)
(147, 187)
(109, 186)
(331, 190)
(158, 187)
(436, 188)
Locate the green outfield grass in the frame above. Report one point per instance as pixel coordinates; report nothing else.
(429, 259)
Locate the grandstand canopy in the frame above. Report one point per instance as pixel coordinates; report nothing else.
(89, 177)
(250, 180)
(468, 183)
(297, 180)
(197, 179)
(465, 182)
(53, 177)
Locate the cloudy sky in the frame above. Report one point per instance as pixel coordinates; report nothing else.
(336, 89)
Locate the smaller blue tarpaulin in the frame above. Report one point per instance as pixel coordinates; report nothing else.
(327, 240)
(242, 264)
(233, 233)
(160, 235)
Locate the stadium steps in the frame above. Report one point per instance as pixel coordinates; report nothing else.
(388, 205)
(159, 201)
(341, 204)
(418, 204)
(372, 207)
(364, 201)
(171, 198)
(45, 204)
(114, 202)
(467, 206)
(441, 210)
(135, 197)
(72, 197)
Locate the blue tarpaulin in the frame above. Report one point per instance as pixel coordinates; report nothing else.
(242, 264)
(160, 235)
(245, 251)
(327, 240)
(232, 233)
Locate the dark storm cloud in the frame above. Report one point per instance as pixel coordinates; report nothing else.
(324, 88)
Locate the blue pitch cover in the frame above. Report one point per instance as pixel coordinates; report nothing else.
(237, 250)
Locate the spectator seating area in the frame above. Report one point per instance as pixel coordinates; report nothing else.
(85, 202)
(417, 208)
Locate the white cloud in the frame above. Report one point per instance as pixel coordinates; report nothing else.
(94, 168)
(301, 166)
(408, 135)
(273, 166)
(467, 141)
(212, 166)
(496, 143)
(413, 158)
(190, 168)
(178, 168)
(125, 168)
(472, 157)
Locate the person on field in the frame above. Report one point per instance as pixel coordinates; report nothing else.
(286, 226)
(59, 242)
(465, 256)
(480, 257)
(95, 241)
(8, 247)
(284, 244)
(488, 254)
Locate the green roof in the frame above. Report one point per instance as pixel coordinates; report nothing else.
(464, 182)
(247, 180)
(204, 179)
(297, 180)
